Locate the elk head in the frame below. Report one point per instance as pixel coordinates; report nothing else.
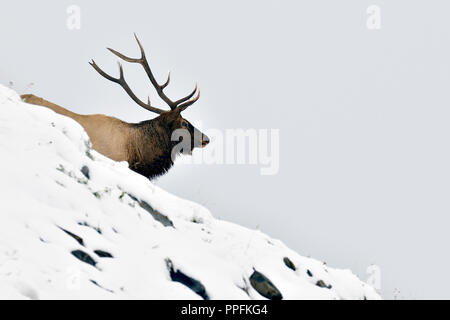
(170, 120)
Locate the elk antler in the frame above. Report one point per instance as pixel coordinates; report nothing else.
(121, 81)
(181, 104)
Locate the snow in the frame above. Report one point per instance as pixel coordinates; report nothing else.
(44, 196)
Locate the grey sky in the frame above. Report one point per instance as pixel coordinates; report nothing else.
(363, 114)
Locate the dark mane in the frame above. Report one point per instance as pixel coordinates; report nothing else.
(150, 148)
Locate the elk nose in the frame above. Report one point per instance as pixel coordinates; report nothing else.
(205, 141)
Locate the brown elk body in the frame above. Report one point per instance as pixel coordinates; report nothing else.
(147, 146)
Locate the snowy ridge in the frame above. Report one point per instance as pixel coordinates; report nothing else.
(77, 225)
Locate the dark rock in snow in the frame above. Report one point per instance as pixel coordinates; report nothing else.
(85, 224)
(264, 286)
(309, 273)
(85, 172)
(194, 285)
(83, 256)
(77, 238)
(158, 216)
(322, 284)
(103, 254)
(289, 263)
(96, 283)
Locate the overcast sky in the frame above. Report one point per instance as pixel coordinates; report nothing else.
(363, 114)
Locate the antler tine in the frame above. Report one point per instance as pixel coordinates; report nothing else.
(167, 82)
(190, 102)
(122, 82)
(123, 57)
(178, 102)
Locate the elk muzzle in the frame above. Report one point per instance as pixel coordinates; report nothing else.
(205, 140)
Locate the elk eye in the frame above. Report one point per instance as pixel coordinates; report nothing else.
(184, 124)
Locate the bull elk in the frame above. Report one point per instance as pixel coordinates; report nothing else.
(147, 145)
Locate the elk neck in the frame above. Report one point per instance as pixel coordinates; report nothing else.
(150, 148)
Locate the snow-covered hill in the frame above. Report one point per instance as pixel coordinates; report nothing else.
(76, 225)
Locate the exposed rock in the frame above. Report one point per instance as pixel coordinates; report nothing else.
(85, 224)
(194, 285)
(158, 216)
(264, 286)
(322, 284)
(83, 256)
(96, 283)
(77, 238)
(289, 263)
(103, 254)
(85, 172)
